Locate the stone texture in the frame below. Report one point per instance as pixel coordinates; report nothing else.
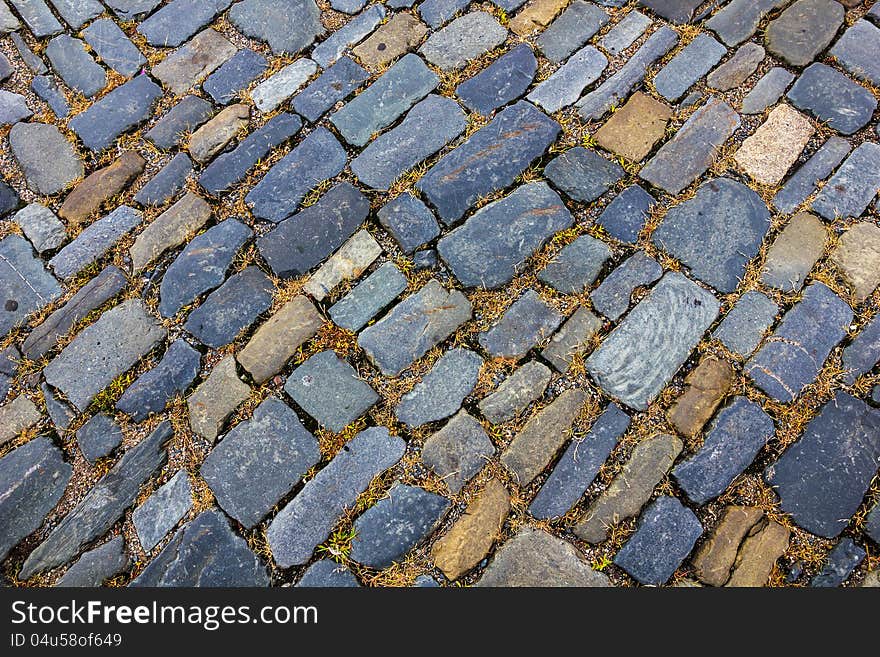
(101, 187)
(348, 263)
(573, 338)
(803, 182)
(535, 16)
(769, 152)
(193, 62)
(76, 67)
(516, 392)
(40, 225)
(216, 398)
(706, 386)
(612, 297)
(504, 80)
(804, 30)
(794, 252)
(863, 352)
(565, 86)
(441, 391)
(286, 25)
(187, 115)
(857, 256)
(409, 221)
(171, 376)
(463, 40)
(113, 47)
(178, 20)
(715, 559)
(17, 415)
(855, 51)
(625, 32)
(25, 285)
(216, 134)
(399, 35)
(122, 109)
(853, 186)
(842, 560)
(576, 267)
(738, 20)
(633, 130)
(675, 11)
(689, 65)
(571, 30)
(583, 174)
(98, 437)
(767, 91)
(96, 566)
(332, 48)
(13, 108)
(163, 510)
(169, 230)
(745, 325)
(48, 160)
(268, 95)
(458, 451)
(527, 322)
(368, 298)
(832, 97)
(758, 554)
(736, 70)
(334, 84)
(38, 17)
(327, 573)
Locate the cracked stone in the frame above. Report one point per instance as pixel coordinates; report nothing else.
(706, 386)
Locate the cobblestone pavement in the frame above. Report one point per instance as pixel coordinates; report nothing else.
(440, 292)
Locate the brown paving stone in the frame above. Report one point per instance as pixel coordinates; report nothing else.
(768, 154)
(758, 554)
(715, 558)
(395, 38)
(176, 225)
(706, 387)
(858, 258)
(794, 252)
(635, 128)
(216, 134)
(93, 193)
(535, 16)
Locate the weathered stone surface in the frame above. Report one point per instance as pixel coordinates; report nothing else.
(576, 266)
(332, 48)
(201, 266)
(857, 256)
(171, 376)
(9, 199)
(689, 65)
(348, 263)
(694, 147)
(862, 353)
(8, 21)
(391, 528)
(94, 242)
(38, 17)
(458, 451)
(163, 510)
(832, 97)
(278, 339)
(767, 90)
(571, 30)
(93, 193)
(842, 560)
(440, 393)
(365, 301)
(205, 552)
(804, 30)
(633, 130)
(315, 159)
(738, 20)
(132, 9)
(193, 62)
(76, 67)
(706, 385)
(856, 49)
(504, 80)
(803, 182)
(327, 573)
(535, 16)
(13, 108)
(96, 566)
(573, 338)
(333, 85)
(178, 20)
(32, 479)
(744, 326)
(399, 35)
(567, 83)
(231, 308)
(527, 322)
(716, 232)
(61, 414)
(48, 160)
(758, 554)
(16, 416)
(853, 186)
(631, 489)
(715, 559)
(414, 326)
(286, 25)
(463, 40)
(769, 153)
(187, 115)
(516, 392)
(269, 94)
(40, 225)
(822, 478)
(25, 285)
(120, 110)
(409, 221)
(536, 558)
(103, 351)
(428, 127)
(625, 32)
(642, 354)
(612, 297)
(737, 69)
(169, 230)
(489, 160)
(103, 505)
(308, 519)
(113, 47)
(666, 533)
(794, 252)
(675, 11)
(872, 524)
(471, 537)
(583, 174)
(34, 63)
(217, 133)
(98, 437)
(216, 398)
(493, 244)
(791, 359)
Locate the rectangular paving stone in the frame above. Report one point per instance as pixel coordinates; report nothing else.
(791, 359)
(583, 174)
(114, 48)
(573, 338)
(194, 61)
(688, 155)
(832, 97)
(767, 91)
(103, 351)
(393, 39)
(367, 300)
(178, 20)
(187, 115)
(853, 186)
(132, 9)
(863, 352)
(528, 321)
(458, 451)
(16, 416)
(567, 83)
(217, 396)
(171, 376)
(76, 67)
(331, 49)
(49, 89)
(738, 20)
(535, 16)
(577, 265)
(516, 392)
(348, 263)
(745, 324)
(647, 348)
(439, 12)
(428, 126)
(38, 17)
(409, 221)
(689, 65)
(26, 286)
(492, 246)
(170, 229)
(804, 181)
(163, 510)
(489, 160)
(504, 80)
(95, 241)
(578, 466)
(8, 21)
(414, 326)
(625, 32)
(227, 82)
(442, 390)
(336, 83)
(571, 30)
(856, 51)
(124, 108)
(794, 252)
(270, 93)
(399, 88)
(463, 40)
(768, 153)
(843, 559)
(216, 134)
(167, 182)
(675, 11)
(32, 61)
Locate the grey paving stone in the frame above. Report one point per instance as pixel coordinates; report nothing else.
(114, 48)
(34, 63)
(169, 230)
(331, 49)
(625, 32)
(413, 327)
(103, 351)
(187, 115)
(409, 221)
(98, 437)
(6, 69)
(803, 182)
(428, 126)
(613, 91)
(833, 97)
(367, 300)
(308, 519)
(167, 182)
(178, 20)
(47, 88)
(32, 479)
(665, 535)
(19, 414)
(516, 392)
(231, 308)
(76, 67)
(124, 108)
(573, 338)
(204, 552)
(565, 86)
(872, 525)
(286, 25)
(733, 439)
(804, 30)
(153, 389)
(234, 76)
(863, 353)
(229, 169)
(689, 65)
(571, 30)
(8, 20)
(439, 12)
(77, 13)
(61, 414)
(270, 93)
(315, 159)
(716, 232)
(40, 225)
(744, 326)
(458, 451)
(49, 162)
(384, 101)
(96, 566)
(463, 40)
(576, 267)
(643, 353)
(335, 84)
(579, 465)
(326, 573)
(348, 6)
(103, 505)
(767, 91)
(675, 11)
(395, 525)
(688, 155)
(259, 461)
(9, 199)
(583, 174)
(132, 9)
(734, 72)
(194, 61)
(822, 478)
(792, 358)
(442, 390)
(504, 80)
(491, 247)
(330, 390)
(855, 51)
(25, 285)
(163, 510)
(843, 559)
(489, 160)
(853, 186)
(625, 216)
(38, 17)
(738, 20)
(13, 108)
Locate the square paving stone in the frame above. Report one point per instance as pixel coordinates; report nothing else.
(745, 324)
(116, 112)
(576, 267)
(409, 221)
(583, 174)
(635, 128)
(625, 216)
(775, 146)
(833, 97)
